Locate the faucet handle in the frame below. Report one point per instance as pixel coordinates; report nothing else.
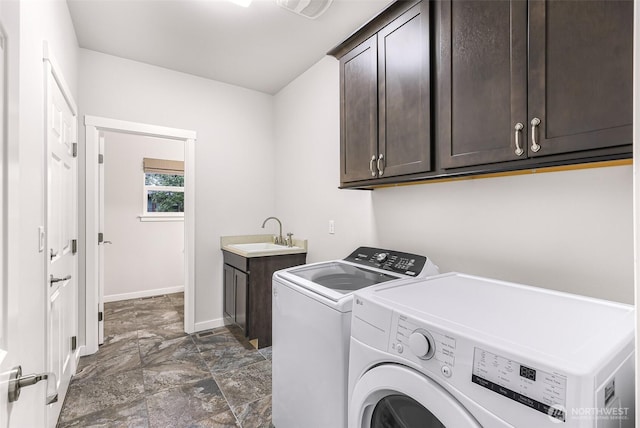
(289, 239)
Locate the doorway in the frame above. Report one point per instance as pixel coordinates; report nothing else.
(96, 127)
(141, 217)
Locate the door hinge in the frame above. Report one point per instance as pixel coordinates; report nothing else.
(74, 150)
(100, 158)
(74, 246)
(99, 316)
(100, 237)
(74, 342)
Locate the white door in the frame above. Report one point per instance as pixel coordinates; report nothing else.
(381, 391)
(16, 324)
(61, 248)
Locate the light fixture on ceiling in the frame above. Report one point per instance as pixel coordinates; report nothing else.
(308, 8)
(243, 3)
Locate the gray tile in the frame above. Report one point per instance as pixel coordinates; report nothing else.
(119, 325)
(266, 352)
(186, 405)
(256, 414)
(184, 370)
(133, 415)
(155, 351)
(164, 332)
(101, 393)
(221, 420)
(118, 310)
(220, 360)
(222, 338)
(177, 299)
(247, 384)
(154, 302)
(154, 317)
(109, 364)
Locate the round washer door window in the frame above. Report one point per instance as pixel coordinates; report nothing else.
(392, 396)
(400, 411)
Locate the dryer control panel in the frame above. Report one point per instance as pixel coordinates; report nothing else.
(394, 261)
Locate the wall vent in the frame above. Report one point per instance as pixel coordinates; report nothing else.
(308, 8)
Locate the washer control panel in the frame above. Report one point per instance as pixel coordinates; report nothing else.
(422, 345)
(394, 261)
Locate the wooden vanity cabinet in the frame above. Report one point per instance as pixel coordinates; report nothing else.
(247, 291)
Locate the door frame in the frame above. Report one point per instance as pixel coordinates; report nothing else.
(93, 126)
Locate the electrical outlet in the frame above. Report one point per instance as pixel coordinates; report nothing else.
(332, 227)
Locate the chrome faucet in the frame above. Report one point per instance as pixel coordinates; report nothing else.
(278, 240)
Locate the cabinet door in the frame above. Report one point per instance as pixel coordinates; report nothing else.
(404, 143)
(580, 79)
(481, 67)
(241, 284)
(359, 110)
(229, 293)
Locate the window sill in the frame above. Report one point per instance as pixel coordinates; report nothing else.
(151, 217)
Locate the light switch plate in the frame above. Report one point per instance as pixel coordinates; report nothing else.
(41, 238)
(332, 227)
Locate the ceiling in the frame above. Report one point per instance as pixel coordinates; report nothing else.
(262, 47)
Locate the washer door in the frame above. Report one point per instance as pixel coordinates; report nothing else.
(392, 396)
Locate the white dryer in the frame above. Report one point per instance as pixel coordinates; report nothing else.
(460, 351)
(311, 331)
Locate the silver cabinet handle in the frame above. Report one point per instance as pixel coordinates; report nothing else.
(107, 242)
(380, 165)
(519, 127)
(17, 382)
(53, 280)
(373, 171)
(534, 124)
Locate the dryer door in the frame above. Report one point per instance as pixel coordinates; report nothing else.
(392, 396)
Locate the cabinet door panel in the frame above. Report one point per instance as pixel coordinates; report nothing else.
(359, 109)
(229, 293)
(481, 92)
(403, 85)
(580, 82)
(241, 300)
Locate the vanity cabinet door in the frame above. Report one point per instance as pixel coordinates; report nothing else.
(241, 286)
(229, 293)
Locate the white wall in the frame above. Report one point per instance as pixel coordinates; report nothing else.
(307, 124)
(570, 231)
(145, 258)
(234, 152)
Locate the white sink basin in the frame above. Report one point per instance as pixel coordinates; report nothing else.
(258, 246)
(255, 249)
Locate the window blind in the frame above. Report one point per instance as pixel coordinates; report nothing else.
(163, 166)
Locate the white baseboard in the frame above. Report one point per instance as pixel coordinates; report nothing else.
(208, 325)
(145, 293)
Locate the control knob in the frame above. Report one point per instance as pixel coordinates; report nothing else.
(381, 257)
(420, 345)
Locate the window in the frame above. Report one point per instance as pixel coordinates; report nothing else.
(163, 195)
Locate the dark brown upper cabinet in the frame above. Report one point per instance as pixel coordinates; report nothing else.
(385, 96)
(521, 80)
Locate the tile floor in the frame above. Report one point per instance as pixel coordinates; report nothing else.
(149, 373)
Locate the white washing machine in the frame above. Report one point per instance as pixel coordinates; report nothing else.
(311, 329)
(459, 351)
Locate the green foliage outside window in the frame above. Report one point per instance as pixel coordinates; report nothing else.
(164, 201)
